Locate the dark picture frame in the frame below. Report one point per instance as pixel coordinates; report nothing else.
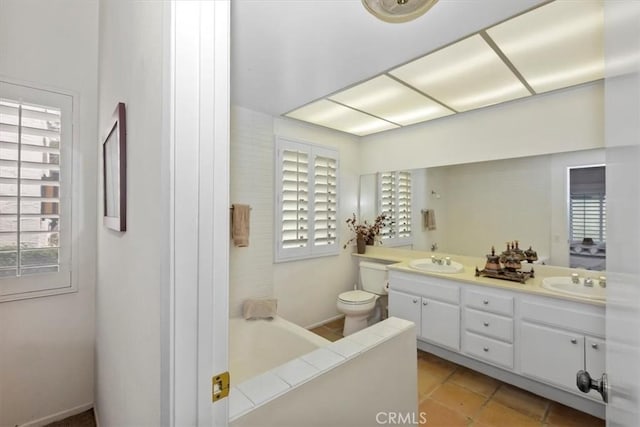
(114, 167)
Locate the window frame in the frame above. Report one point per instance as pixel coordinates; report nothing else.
(395, 239)
(65, 280)
(311, 250)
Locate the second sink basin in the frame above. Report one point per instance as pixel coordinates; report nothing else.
(565, 286)
(426, 264)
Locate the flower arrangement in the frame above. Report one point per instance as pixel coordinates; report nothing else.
(365, 231)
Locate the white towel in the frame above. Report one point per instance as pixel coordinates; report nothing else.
(259, 308)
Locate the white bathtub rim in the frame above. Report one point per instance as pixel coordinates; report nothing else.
(366, 339)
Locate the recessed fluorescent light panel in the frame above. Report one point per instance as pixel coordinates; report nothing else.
(388, 99)
(556, 45)
(466, 75)
(336, 116)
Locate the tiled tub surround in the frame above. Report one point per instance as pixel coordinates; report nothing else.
(342, 383)
(257, 346)
(522, 334)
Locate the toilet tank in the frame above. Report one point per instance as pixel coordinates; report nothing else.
(374, 277)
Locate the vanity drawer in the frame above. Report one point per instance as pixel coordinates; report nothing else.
(487, 301)
(488, 324)
(430, 287)
(488, 349)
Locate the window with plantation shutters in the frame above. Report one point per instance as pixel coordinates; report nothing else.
(307, 200)
(395, 202)
(35, 214)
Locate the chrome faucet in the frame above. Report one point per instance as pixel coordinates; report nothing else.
(575, 278)
(435, 260)
(602, 281)
(447, 260)
(588, 281)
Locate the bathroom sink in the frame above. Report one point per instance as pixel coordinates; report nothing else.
(565, 286)
(426, 264)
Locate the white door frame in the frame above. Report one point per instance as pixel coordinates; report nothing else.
(622, 140)
(197, 126)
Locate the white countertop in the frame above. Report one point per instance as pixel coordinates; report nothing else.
(401, 258)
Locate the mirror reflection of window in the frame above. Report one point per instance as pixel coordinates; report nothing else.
(587, 218)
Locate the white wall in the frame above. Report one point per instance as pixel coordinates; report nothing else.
(565, 120)
(132, 265)
(306, 290)
(47, 344)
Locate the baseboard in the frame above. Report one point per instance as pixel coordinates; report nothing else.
(58, 416)
(331, 319)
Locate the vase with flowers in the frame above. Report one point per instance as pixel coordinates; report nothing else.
(365, 232)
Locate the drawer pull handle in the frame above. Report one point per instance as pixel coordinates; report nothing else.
(485, 302)
(486, 324)
(486, 349)
(574, 341)
(424, 302)
(415, 300)
(594, 346)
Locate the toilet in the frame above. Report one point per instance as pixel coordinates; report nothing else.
(363, 307)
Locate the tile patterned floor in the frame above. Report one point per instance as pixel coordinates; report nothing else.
(452, 396)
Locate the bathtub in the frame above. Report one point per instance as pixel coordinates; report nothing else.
(256, 346)
(285, 376)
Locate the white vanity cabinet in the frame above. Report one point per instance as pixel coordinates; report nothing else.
(432, 304)
(559, 339)
(535, 342)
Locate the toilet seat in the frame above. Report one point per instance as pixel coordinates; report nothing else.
(356, 297)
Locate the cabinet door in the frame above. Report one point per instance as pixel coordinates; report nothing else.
(441, 323)
(594, 353)
(405, 306)
(551, 355)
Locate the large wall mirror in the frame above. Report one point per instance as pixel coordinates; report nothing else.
(554, 203)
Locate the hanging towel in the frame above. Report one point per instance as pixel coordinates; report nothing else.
(240, 220)
(429, 219)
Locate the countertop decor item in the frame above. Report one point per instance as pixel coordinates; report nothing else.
(365, 231)
(507, 265)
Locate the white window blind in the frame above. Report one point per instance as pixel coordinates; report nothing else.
(587, 203)
(588, 217)
(307, 200)
(395, 203)
(34, 207)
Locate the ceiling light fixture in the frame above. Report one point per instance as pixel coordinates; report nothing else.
(397, 11)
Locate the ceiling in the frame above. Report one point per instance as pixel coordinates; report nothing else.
(287, 53)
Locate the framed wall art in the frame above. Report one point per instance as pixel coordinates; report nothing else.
(114, 163)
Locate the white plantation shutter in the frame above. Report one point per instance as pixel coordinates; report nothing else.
(295, 199)
(307, 200)
(325, 200)
(403, 195)
(388, 203)
(35, 143)
(395, 203)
